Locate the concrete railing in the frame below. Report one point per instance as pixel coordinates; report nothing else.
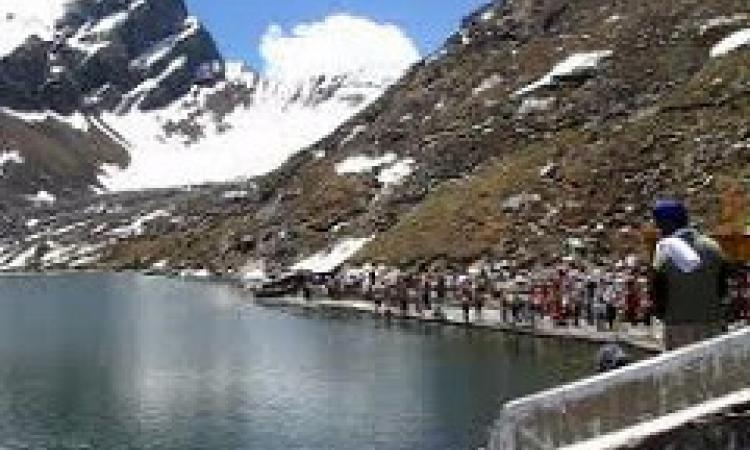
(636, 394)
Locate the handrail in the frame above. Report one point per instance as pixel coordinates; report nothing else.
(626, 397)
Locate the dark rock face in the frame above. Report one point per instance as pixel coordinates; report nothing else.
(250, 91)
(102, 51)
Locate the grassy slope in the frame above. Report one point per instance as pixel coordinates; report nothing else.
(659, 117)
(465, 220)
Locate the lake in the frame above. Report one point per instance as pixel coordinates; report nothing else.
(125, 361)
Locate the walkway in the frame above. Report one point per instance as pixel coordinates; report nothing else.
(641, 337)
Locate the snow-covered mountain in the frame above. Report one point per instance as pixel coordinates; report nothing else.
(131, 94)
(243, 125)
(94, 55)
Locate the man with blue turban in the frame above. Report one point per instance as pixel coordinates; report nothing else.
(690, 282)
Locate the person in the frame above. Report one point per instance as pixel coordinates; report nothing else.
(441, 289)
(689, 279)
(465, 307)
(426, 292)
(465, 292)
(403, 295)
(371, 285)
(610, 310)
(306, 291)
(611, 357)
(504, 302)
(590, 300)
(515, 306)
(478, 294)
(378, 293)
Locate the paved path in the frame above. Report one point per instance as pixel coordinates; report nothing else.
(641, 337)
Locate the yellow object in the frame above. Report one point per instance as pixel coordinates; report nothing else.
(732, 233)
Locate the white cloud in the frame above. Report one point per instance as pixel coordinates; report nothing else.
(263, 135)
(338, 44)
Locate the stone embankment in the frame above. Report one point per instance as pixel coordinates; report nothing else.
(639, 337)
(663, 402)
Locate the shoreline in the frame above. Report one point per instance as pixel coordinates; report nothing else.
(490, 320)
(487, 322)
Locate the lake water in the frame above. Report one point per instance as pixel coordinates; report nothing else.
(124, 361)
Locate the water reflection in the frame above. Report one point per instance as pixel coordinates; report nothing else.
(125, 361)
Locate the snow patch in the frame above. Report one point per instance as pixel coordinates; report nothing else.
(109, 23)
(731, 43)
(613, 18)
(21, 19)
(254, 271)
(235, 195)
(137, 4)
(41, 198)
(10, 157)
(397, 172)
(238, 71)
(200, 274)
(356, 131)
(163, 48)
(67, 229)
(576, 63)
(84, 43)
(488, 83)
(160, 265)
(136, 96)
(532, 104)
(137, 227)
(59, 254)
(329, 260)
(363, 164)
(722, 21)
(21, 260)
(77, 120)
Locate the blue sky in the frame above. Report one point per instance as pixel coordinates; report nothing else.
(238, 25)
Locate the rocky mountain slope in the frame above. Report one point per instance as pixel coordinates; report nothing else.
(94, 55)
(109, 94)
(541, 128)
(63, 63)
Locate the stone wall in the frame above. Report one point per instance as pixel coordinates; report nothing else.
(638, 394)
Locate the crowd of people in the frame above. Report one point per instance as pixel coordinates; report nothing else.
(690, 285)
(569, 294)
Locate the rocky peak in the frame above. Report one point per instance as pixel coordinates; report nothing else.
(106, 55)
(243, 91)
